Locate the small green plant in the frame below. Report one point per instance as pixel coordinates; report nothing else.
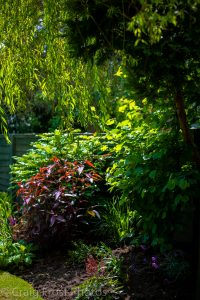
(15, 254)
(118, 221)
(81, 251)
(12, 254)
(101, 287)
(100, 252)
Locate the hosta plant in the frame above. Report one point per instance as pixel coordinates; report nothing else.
(57, 199)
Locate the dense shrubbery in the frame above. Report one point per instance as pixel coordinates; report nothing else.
(69, 146)
(152, 170)
(117, 219)
(142, 161)
(57, 199)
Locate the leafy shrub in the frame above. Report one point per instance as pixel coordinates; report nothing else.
(15, 254)
(57, 199)
(12, 254)
(152, 170)
(68, 146)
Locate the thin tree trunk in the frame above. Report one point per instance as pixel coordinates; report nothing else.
(188, 138)
(183, 122)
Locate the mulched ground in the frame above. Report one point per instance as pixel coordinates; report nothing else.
(54, 277)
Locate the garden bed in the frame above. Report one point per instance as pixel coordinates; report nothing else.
(54, 277)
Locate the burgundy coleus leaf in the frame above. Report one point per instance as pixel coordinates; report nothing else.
(57, 194)
(89, 177)
(96, 176)
(60, 219)
(56, 204)
(82, 203)
(27, 200)
(80, 169)
(52, 220)
(45, 188)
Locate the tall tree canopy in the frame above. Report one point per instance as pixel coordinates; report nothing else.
(34, 57)
(160, 40)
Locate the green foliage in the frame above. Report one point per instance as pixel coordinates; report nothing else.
(119, 223)
(159, 40)
(57, 199)
(80, 252)
(152, 169)
(69, 146)
(102, 287)
(107, 268)
(12, 254)
(15, 254)
(101, 252)
(5, 213)
(35, 60)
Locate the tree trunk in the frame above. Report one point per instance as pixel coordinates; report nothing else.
(183, 122)
(188, 138)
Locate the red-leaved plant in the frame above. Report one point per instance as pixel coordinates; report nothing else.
(57, 199)
(95, 266)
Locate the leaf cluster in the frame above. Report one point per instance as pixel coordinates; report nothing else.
(152, 169)
(57, 199)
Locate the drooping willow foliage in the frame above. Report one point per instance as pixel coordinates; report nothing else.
(34, 56)
(162, 39)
